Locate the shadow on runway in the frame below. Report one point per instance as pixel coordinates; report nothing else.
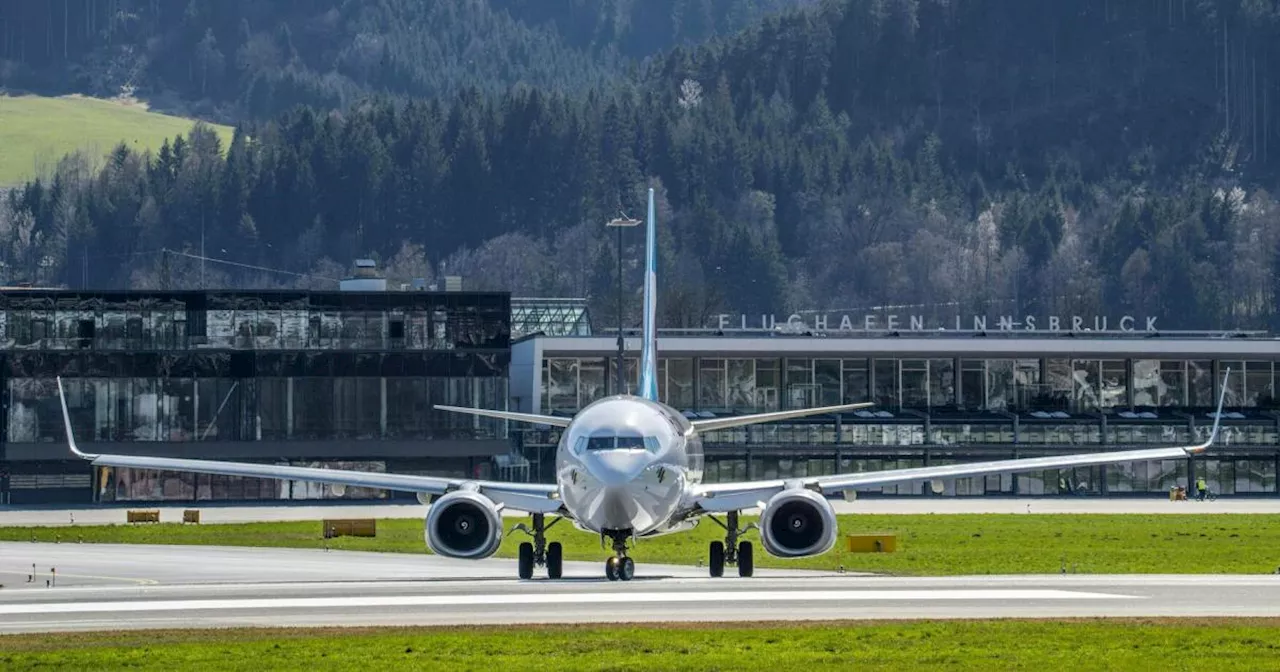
(427, 579)
(581, 579)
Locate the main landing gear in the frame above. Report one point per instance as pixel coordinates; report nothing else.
(620, 567)
(731, 551)
(539, 552)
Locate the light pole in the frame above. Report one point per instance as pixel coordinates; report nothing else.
(621, 223)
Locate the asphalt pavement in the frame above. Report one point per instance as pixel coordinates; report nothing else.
(114, 586)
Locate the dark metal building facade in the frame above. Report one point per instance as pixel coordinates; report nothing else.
(341, 379)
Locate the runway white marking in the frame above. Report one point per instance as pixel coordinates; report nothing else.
(557, 598)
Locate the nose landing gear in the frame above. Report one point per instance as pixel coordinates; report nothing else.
(620, 567)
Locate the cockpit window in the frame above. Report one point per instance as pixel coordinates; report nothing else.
(594, 443)
(630, 443)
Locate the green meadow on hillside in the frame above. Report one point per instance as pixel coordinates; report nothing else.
(36, 131)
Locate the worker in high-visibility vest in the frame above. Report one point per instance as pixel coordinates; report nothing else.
(1202, 488)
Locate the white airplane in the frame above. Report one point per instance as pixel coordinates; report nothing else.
(630, 467)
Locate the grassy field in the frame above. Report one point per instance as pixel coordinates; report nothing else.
(36, 131)
(928, 545)
(1236, 644)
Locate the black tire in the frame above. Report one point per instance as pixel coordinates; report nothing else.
(611, 569)
(746, 564)
(717, 559)
(526, 560)
(627, 569)
(555, 563)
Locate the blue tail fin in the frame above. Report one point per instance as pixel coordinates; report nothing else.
(649, 349)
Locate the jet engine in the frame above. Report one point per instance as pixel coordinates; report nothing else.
(464, 524)
(798, 523)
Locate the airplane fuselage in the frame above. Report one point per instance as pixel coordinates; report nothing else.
(625, 463)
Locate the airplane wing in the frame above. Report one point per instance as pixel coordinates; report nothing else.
(712, 424)
(553, 420)
(722, 497)
(529, 497)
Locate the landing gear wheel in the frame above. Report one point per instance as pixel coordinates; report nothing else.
(554, 560)
(746, 564)
(539, 552)
(732, 551)
(717, 559)
(619, 567)
(526, 560)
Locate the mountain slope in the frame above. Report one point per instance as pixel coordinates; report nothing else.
(237, 59)
(1101, 80)
(959, 156)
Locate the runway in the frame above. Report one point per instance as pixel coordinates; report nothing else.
(113, 587)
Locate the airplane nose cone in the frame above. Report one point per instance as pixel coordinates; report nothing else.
(617, 468)
(618, 508)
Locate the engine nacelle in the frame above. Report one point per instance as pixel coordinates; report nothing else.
(464, 524)
(798, 523)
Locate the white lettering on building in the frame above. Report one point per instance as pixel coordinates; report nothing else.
(821, 321)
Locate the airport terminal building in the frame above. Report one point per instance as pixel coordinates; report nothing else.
(944, 397)
(347, 379)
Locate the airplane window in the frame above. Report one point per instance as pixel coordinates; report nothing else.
(621, 443)
(631, 443)
(600, 443)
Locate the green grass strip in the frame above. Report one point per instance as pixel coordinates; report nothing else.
(928, 545)
(1132, 644)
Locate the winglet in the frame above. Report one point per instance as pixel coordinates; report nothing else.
(1217, 418)
(66, 422)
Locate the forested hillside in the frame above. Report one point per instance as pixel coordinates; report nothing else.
(236, 59)
(1092, 157)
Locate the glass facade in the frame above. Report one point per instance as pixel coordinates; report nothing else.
(300, 374)
(947, 410)
(758, 384)
(549, 317)
(277, 396)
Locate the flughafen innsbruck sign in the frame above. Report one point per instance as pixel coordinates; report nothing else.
(833, 321)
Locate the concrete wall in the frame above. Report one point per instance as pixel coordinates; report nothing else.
(525, 376)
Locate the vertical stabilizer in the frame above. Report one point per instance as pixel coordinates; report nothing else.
(649, 349)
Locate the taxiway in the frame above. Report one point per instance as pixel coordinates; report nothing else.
(114, 587)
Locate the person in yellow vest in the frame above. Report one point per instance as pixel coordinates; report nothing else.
(1202, 488)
